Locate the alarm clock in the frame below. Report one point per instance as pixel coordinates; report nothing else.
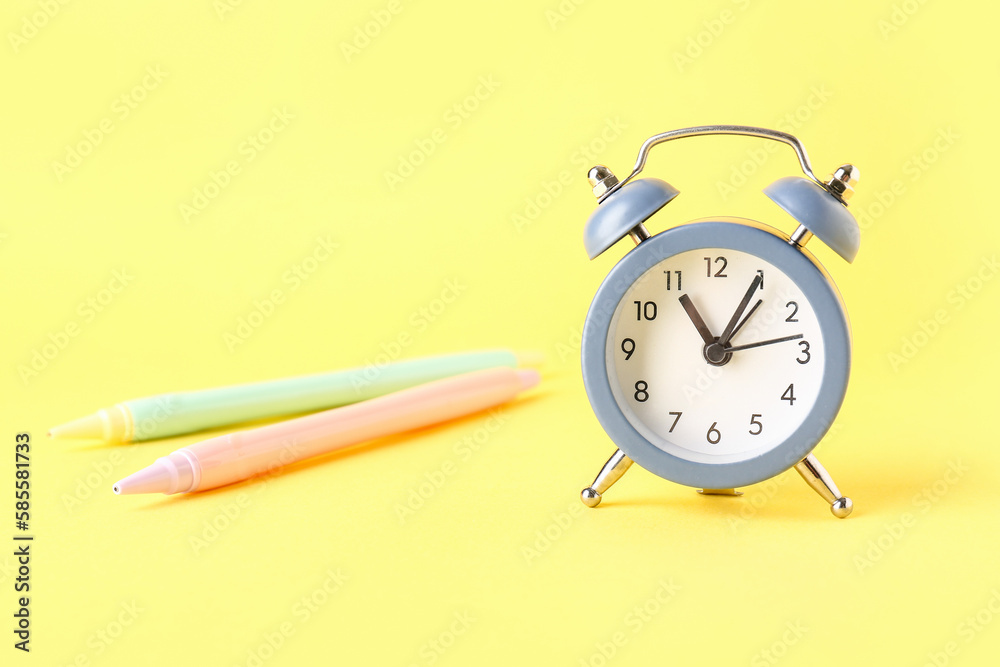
(716, 354)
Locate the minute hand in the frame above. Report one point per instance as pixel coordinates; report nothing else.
(763, 342)
(727, 333)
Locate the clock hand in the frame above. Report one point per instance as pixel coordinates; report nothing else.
(695, 316)
(763, 342)
(744, 320)
(731, 327)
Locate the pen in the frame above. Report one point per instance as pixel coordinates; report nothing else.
(186, 412)
(230, 458)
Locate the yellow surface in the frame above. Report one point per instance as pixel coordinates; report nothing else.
(137, 268)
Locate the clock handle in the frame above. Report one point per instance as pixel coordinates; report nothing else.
(819, 479)
(702, 130)
(610, 473)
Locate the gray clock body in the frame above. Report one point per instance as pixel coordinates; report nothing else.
(599, 347)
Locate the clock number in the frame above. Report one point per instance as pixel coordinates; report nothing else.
(677, 418)
(641, 394)
(805, 350)
(795, 309)
(719, 273)
(760, 272)
(789, 395)
(754, 421)
(711, 430)
(678, 274)
(647, 310)
(628, 347)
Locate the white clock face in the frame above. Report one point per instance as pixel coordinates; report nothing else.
(688, 390)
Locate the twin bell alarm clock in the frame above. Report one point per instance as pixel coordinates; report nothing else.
(716, 353)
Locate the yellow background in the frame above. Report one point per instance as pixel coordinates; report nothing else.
(501, 564)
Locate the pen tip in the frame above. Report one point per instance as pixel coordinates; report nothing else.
(154, 478)
(89, 427)
(529, 378)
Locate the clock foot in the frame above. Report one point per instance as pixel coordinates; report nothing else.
(720, 492)
(819, 479)
(610, 473)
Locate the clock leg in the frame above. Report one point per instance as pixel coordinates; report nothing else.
(819, 479)
(610, 473)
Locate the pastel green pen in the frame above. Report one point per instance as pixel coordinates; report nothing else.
(186, 412)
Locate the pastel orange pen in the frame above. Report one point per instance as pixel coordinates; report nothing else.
(244, 454)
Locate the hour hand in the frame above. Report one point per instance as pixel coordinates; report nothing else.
(695, 316)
